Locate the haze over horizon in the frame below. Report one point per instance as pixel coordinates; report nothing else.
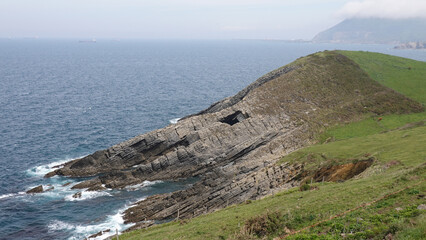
(191, 19)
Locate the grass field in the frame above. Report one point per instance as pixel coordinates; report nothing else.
(298, 209)
(404, 75)
(397, 143)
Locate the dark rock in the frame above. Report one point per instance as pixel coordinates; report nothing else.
(99, 233)
(140, 225)
(77, 195)
(97, 188)
(66, 184)
(38, 189)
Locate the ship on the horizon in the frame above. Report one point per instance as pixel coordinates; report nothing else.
(93, 40)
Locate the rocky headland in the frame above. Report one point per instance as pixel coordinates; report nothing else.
(234, 145)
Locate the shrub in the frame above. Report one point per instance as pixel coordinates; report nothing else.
(265, 224)
(305, 187)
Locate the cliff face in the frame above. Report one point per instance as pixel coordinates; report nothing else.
(374, 30)
(233, 145)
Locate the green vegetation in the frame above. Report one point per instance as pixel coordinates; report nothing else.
(403, 75)
(296, 209)
(396, 142)
(372, 125)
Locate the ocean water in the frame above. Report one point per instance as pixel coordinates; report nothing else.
(61, 99)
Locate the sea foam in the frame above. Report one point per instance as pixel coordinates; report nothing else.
(113, 222)
(85, 195)
(10, 195)
(174, 120)
(46, 168)
(142, 185)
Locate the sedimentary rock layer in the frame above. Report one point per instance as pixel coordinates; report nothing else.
(234, 144)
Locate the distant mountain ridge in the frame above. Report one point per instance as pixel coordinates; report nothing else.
(375, 30)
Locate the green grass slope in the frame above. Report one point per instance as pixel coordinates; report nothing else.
(403, 75)
(396, 142)
(295, 209)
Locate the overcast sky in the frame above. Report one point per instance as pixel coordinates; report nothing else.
(190, 19)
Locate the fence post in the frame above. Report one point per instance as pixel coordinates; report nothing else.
(178, 215)
(116, 233)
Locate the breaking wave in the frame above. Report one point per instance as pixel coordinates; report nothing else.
(142, 185)
(112, 224)
(46, 168)
(174, 120)
(86, 195)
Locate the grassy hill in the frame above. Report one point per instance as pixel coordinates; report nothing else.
(382, 201)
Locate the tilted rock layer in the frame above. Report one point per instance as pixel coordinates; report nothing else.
(234, 144)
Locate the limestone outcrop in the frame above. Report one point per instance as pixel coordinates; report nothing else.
(38, 189)
(233, 146)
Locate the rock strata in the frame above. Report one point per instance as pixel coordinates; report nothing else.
(38, 189)
(98, 234)
(233, 146)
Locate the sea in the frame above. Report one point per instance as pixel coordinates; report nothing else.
(62, 99)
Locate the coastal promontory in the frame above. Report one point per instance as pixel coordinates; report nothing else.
(232, 147)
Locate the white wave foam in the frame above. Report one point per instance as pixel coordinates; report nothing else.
(113, 222)
(86, 195)
(46, 168)
(174, 120)
(142, 185)
(9, 195)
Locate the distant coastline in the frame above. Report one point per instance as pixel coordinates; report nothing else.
(412, 45)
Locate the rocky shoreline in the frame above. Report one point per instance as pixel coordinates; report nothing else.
(234, 145)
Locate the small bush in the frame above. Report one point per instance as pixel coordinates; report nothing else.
(305, 187)
(413, 192)
(265, 224)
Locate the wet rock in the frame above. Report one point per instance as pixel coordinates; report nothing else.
(140, 225)
(38, 189)
(77, 195)
(66, 184)
(97, 188)
(99, 233)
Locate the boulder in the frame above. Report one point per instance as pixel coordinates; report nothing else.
(77, 195)
(38, 189)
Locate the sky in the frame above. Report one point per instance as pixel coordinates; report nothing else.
(190, 19)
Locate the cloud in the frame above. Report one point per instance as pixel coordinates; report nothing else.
(394, 9)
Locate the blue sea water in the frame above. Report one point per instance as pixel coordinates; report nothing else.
(61, 99)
